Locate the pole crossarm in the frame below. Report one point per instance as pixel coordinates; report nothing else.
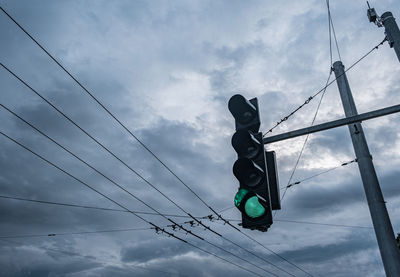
(333, 124)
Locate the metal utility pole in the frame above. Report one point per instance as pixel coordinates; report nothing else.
(383, 228)
(392, 32)
(391, 29)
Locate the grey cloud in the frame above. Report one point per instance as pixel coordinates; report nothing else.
(127, 53)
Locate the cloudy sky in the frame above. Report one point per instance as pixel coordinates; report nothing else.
(167, 69)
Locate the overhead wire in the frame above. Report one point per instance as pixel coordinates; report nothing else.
(115, 118)
(75, 233)
(333, 29)
(120, 160)
(133, 195)
(88, 207)
(101, 104)
(306, 139)
(319, 104)
(172, 215)
(323, 92)
(323, 224)
(310, 98)
(89, 165)
(157, 228)
(316, 223)
(82, 182)
(318, 174)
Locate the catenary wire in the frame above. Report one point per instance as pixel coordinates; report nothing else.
(316, 223)
(309, 99)
(87, 207)
(88, 165)
(112, 115)
(84, 183)
(333, 29)
(140, 217)
(124, 163)
(330, 33)
(172, 215)
(323, 93)
(75, 233)
(134, 196)
(301, 181)
(319, 104)
(119, 186)
(306, 139)
(100, 103)
(318, 174)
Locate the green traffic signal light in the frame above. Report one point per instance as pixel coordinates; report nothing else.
(253, 207)
(249, 203)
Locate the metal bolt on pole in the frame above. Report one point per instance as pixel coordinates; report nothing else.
(380, 218)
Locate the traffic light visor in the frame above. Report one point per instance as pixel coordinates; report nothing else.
(242, 110)
(240, 196)
(245, 144)
(248, 172)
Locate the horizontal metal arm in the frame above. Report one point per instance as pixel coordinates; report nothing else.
(332, 124)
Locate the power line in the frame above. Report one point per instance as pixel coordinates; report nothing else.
(323, 93)
(119, 186)
(157, 228)
(316, 223)
(85, 184)
(105, 108)
(333, 29)
(227, 208)
(93, 168)
(131, 194)
(318, 174)
(172, 215)
(120, 123)
(319, 104)
(74, 233)
(87, 207)
(120, 160)
(330, 34)
(309, 99)
(306, 139)
(323, 224)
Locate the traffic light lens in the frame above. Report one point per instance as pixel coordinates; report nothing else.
(246, 145)
(253, 207)
(246, 117)
(241, 109)
(253, 179)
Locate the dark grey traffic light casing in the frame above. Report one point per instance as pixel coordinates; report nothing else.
(251, 171)
(273, 180)
(251, 168)
(246, 145)
(245, 112)
(261, 223)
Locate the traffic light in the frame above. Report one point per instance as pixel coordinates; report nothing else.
(256, 178)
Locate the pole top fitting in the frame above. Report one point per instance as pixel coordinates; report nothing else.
(386, 15)
(336, 65)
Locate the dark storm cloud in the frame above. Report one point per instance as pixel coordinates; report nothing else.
(167, 71)
(51, 261)
(359, 242)
(149, 250)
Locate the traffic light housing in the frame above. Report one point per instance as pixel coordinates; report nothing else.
(256, 181)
